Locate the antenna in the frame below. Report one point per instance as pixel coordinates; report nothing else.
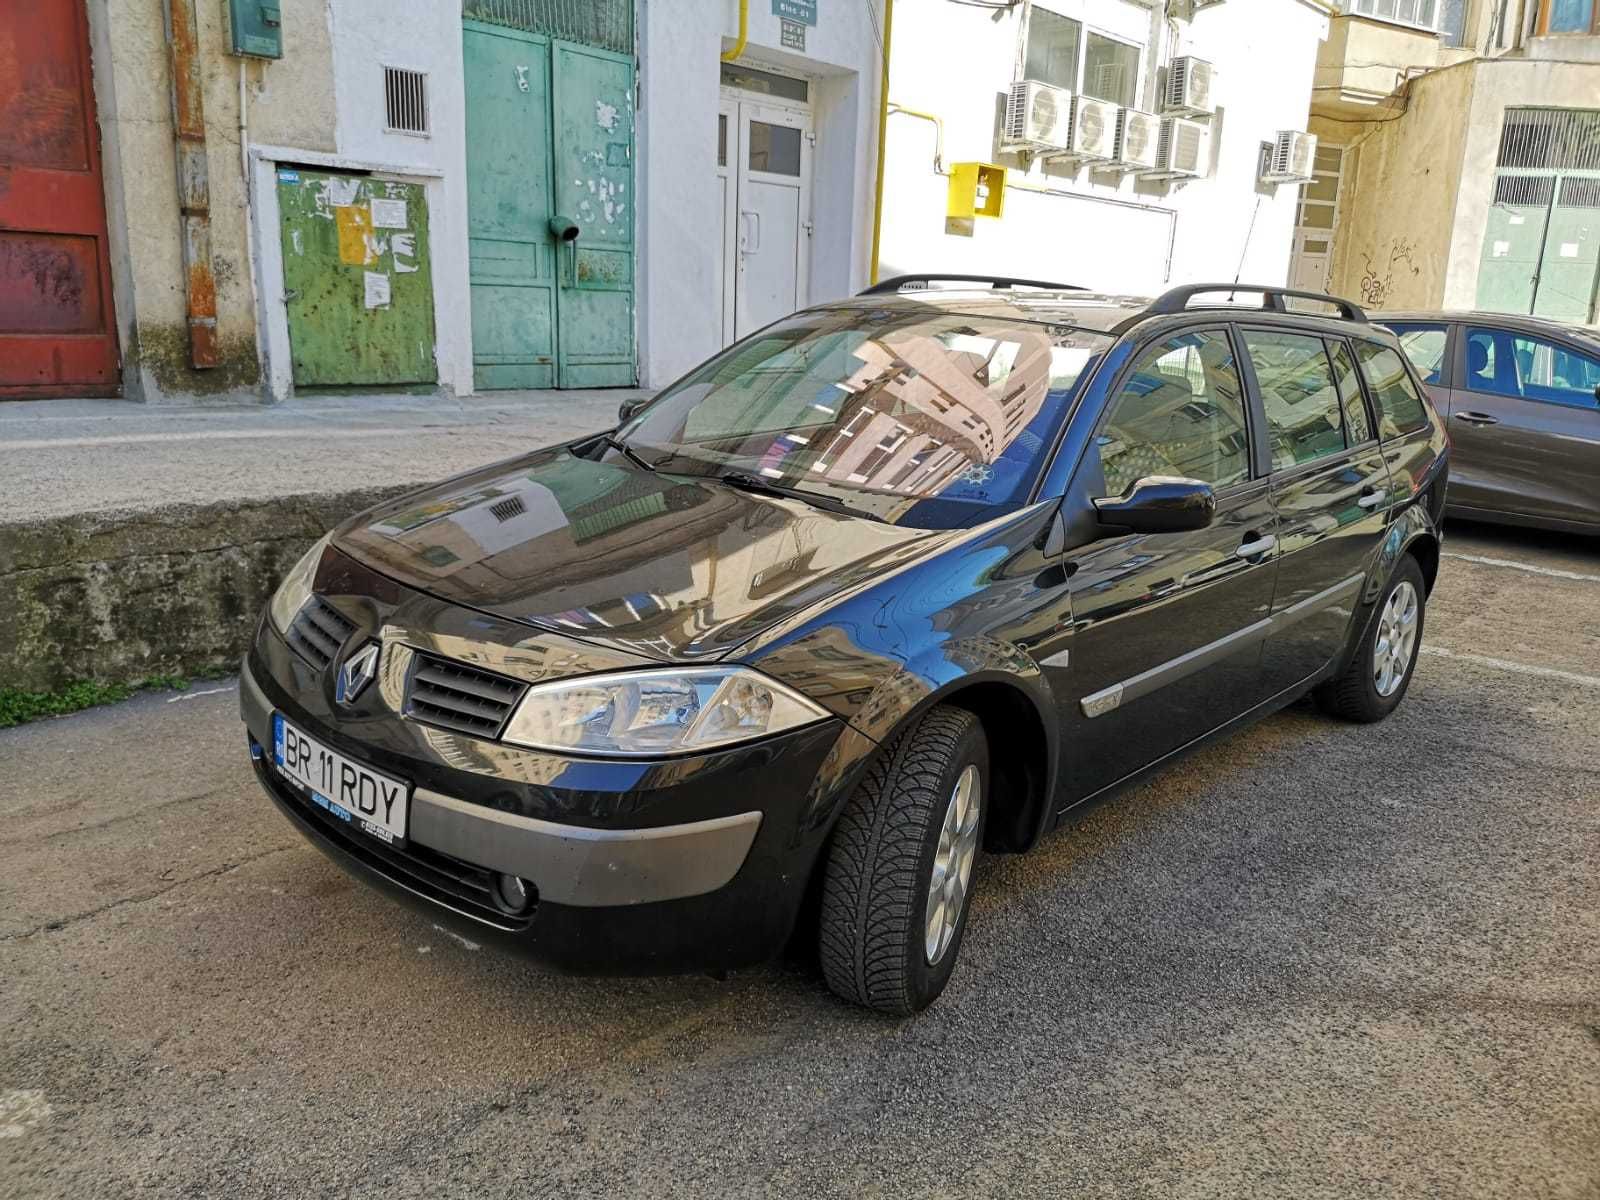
(1246, 248)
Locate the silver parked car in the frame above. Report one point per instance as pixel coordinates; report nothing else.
(1521, 399)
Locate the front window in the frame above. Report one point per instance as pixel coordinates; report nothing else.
(1181, 413)
(1530, 368)
(1569, 16)
(1060, 51)
(1419, 14)
(926, 419)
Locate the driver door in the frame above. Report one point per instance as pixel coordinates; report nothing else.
(1168, 627)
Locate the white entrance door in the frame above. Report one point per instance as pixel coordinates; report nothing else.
(767, 220)
(1319, 210)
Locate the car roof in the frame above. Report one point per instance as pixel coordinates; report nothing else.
(1521, 321)
(1102, 312)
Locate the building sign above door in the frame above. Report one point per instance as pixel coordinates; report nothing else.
(803, 11)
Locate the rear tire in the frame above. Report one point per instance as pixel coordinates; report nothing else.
(1379, 671)
(897, 883)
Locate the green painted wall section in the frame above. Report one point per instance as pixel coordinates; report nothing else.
(357, 280)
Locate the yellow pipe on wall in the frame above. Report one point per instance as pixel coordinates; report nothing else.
(744, 33)
(883, 133)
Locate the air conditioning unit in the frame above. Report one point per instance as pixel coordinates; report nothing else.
(1291, 157)
(1094, 128)
(1137, 139)
(1189, 83)
(1183, 151)
(1038, 117)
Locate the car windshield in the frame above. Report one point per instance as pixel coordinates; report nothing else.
(934, 420)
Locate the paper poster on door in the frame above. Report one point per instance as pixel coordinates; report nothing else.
(1569, 249)
(404, 247)
(377, 289)
(388, 214)
(1501, 249)
(356, 245)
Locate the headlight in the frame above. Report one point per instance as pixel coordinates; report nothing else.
(652, 713)
(295, 589)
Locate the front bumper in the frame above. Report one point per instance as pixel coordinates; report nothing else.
(615, 894)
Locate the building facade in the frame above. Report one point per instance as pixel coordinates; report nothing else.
(236, 199)
(1091, 212)
(1459, 157)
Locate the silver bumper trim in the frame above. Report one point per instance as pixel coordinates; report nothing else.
(569, 864)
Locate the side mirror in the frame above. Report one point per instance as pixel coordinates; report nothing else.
(1160, 504)
(629, 409)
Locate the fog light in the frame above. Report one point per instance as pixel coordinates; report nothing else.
(515, 895)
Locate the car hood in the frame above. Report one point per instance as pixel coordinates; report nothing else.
(673, 567)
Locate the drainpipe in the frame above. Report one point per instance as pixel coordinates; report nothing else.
(883, 135)
(194, 184)
(744, 33)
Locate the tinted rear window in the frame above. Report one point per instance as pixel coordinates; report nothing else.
(1400, 407)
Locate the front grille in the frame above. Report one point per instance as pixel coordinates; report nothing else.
(318, 630)
(460, 698)
(445, 880)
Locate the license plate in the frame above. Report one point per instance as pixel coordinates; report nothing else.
(355, 794)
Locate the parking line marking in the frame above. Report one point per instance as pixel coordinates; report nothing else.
(1515, 668)
(1553, 572)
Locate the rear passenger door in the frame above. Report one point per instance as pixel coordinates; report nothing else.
(1330, 486)
(1167, 626)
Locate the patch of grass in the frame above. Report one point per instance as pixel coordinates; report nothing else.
(18, 707)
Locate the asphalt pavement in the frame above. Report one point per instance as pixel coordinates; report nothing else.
(1316, 960)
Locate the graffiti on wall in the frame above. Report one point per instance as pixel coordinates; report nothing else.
(1378, 279)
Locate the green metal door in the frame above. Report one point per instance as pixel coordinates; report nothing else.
(1512, 243)
(512, 254)
(1571, 252)
(357, 280)
(593, 92)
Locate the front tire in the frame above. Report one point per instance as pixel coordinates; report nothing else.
(897, 884)
(1379, 671)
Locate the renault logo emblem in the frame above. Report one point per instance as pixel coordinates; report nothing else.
(358, 671)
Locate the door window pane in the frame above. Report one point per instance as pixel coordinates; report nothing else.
(774, 149)
(1400, 407)
(1299, 395)
(1180, 413)
(1052, 54)
(1110, 70)
(1356, 421)
(722, 139)
(1424, 346)
(1507, 364)
(749, 79)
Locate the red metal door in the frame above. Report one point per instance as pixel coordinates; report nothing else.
(57, 334)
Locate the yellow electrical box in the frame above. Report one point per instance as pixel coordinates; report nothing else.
(976, 190)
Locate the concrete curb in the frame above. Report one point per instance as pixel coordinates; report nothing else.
(119, 596)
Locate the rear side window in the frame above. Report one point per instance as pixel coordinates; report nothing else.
(1512, 364)
(1357, 424)
(1181, 412)
(1424, 346)
(1400, 407)
(1299, 395)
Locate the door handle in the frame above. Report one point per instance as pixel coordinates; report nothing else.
(1256, 547)
(1477, 418)
(752, 228)
(1370, 498)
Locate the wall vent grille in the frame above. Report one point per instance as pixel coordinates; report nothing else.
(405, 97)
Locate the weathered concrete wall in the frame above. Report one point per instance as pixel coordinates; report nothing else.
(120, 596)
(1392, 245)
(289, 102)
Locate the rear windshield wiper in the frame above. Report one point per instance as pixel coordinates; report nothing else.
(627, 452)
(747, 482)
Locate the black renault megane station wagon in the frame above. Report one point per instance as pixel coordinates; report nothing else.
(890, 584)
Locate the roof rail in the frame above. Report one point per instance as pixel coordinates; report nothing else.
(1176, 300)
(896, 283)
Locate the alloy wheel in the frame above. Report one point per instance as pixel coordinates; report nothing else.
(952, 863)
(1396, 642)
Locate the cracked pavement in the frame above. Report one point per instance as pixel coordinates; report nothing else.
(1313, 960)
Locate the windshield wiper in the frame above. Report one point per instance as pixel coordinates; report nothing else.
(627, 452)
(747, 482)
